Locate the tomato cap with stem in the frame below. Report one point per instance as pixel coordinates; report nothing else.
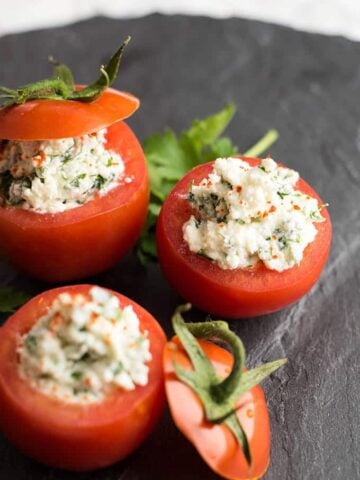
(218, 396)
(58, 108)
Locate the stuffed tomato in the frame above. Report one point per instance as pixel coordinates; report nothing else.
(243, 237)
(73, 180)
(81, 381)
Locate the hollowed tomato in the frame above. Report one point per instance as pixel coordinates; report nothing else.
(73, 436)
(240, 292)
(87, 239)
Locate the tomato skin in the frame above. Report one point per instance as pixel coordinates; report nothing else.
(215, 442)
(72, 436)
(85, 240)
(235, 293)
(50, 119)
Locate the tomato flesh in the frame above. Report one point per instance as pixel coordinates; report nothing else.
(215, 442)
(72, 436)
(233, 293)
(87, 239)
(50, 119)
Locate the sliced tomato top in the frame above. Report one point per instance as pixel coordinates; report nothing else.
(215, 442)
(52, 119)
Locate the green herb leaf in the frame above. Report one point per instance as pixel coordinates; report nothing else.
(146, 247)
(31, 343)
(61, 85)
(169, 158)
(263, 144)
(77, 375)
(203, 134)
(10, 299)
(99, 182)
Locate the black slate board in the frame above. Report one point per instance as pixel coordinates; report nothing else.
(308, 87)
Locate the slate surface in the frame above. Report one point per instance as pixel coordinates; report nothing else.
(307, 86)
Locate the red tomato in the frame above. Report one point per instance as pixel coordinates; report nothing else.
(49, 119)
(73, 436)
(233, 293)
(84, 240)
(215, 442)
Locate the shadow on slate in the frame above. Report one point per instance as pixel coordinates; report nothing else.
(308, 87)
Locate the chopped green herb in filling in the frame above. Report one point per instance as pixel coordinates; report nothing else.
(51, 176)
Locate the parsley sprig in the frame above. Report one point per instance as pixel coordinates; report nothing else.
(61, 86)
(11, 299)
(170, 157)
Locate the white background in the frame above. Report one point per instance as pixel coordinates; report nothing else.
(324, 16)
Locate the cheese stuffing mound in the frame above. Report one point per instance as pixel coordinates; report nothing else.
(243, 215)
(84, 347)
(52, 176)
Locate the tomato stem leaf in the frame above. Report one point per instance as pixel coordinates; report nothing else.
(62, 72)
(233, 422)
(61, 85)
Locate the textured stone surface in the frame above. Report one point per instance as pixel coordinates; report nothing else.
(307, 86)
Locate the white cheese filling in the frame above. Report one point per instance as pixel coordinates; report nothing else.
(245, 214)
(84, 347)
(52, 176)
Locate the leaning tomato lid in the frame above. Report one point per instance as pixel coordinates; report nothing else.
(208, 407)
(57, 108)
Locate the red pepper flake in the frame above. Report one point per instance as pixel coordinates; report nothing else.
(39, 159)
(275, 257)
(296, 207)
(93, 318)
(55, 322)
(238, 188)
(273, 237)
(272, 209)
(87, 382)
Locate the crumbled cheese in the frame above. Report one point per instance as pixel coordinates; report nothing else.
(84, 347)
(244, 214)
(52, 176)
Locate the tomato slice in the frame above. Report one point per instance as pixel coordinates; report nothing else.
(233, 293)
(88, 239)
(51, 119)
(73, 436)
(215, 442)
